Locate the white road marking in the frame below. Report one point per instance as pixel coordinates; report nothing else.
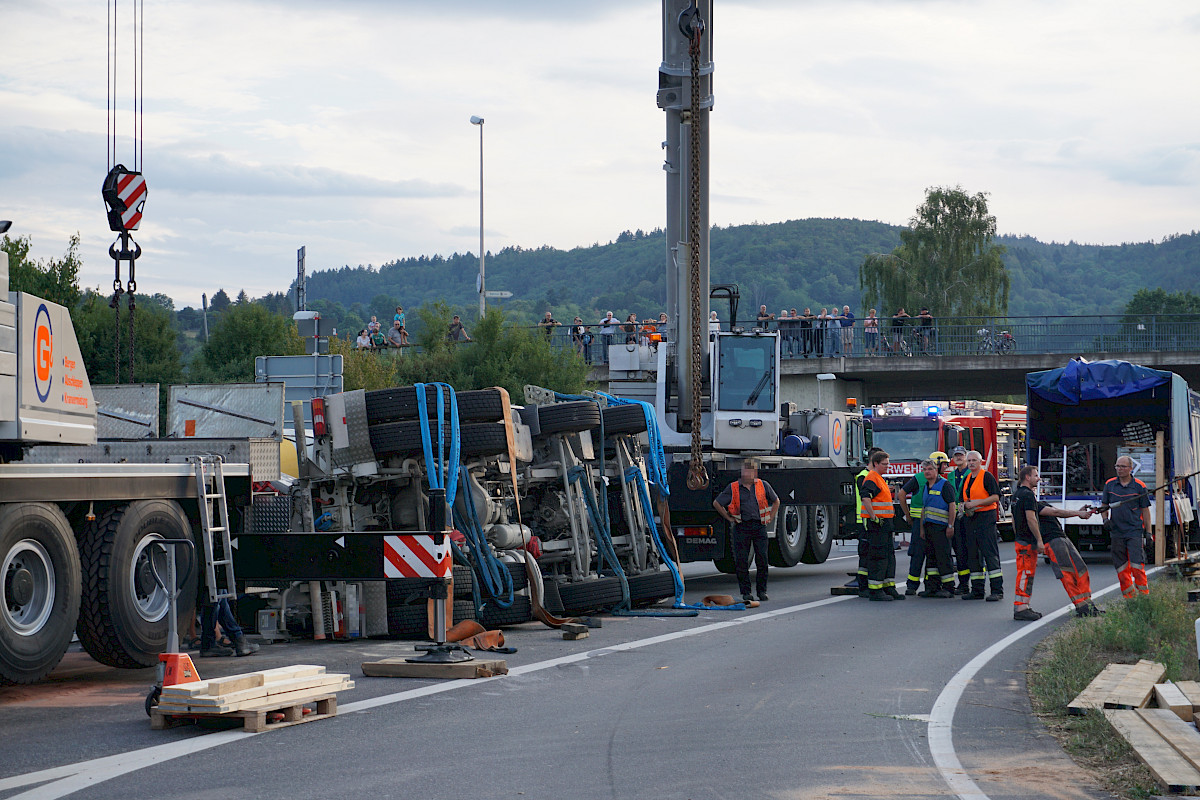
(941, 719)
(75, 777)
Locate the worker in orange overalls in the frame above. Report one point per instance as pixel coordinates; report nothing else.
(1038, 532)
(748, 518)
(877, 512)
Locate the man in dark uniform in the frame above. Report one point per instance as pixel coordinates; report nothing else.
(981, 503)
(877, 513)
(1127, 523)
(749, 505)
(1038, 532)
(958, 479)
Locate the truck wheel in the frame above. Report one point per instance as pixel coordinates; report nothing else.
(400, 403)
(623, 419)
(39, 590)
(521, 610)
(123, 612)
(412, 620)
(651, 587)
(573, 417)
(791, 536)
(593, 594)
(485, 439)
(821, 531)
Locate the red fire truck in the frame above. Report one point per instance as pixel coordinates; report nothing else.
(911, 430)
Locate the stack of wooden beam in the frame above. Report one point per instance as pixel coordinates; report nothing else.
(1157, 719)
(268, 698)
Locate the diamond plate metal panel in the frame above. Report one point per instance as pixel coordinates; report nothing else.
(220, 410)
(126, 411)
(272, 513)
(358, 448)
(264, 459)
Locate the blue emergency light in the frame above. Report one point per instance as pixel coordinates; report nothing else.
(933, 411)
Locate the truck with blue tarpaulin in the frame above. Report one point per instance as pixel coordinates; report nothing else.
(1082, 417)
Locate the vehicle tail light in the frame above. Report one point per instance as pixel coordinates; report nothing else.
(318, 416)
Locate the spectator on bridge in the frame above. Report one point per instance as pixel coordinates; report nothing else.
(898, 329)
(958, 477)
(819, 325)
(399, 316)
(608, 329)
(1039, 532)
(847, 331)
(789, 332)
(363, 342)
(395, 335)
(663, 325)
(764, 318)
(581, 340)
(749, 504)
(806, 331)
(1127, 524)
(548, 323)
(981, 499)
(374, 325)
(378, 340)
(457, 332)
(714, 324)
(927, 331)
(630, 328)
(877, 513)
(871, 333)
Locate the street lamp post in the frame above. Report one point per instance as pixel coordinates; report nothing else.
(482, 280)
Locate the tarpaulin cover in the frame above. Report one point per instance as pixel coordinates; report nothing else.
(1093, 380)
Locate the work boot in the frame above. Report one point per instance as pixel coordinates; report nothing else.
(963, 588)
(243, 648)
(762, 597)
(1088, 609)
(973, 596)
(995, 596)
(879, 594)
(909, 591)
(864, 592)
(216, 651)
(891, 592)
(1026, 614)
(929, 592)
(943, 594)
(747, 599)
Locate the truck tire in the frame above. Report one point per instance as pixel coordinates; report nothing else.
(651, 587)
(822, 528)
(402, 591)
(492, 616)
(624, 420)
(594, 594)
(123, 612)
(551, 601)
(412, 620)
(483, 439)
(397, 438)
(404, 439)
(400, 403)
(786, 548)
(573, 417)
(39, 590)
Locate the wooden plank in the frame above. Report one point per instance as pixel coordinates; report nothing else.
(274, 687)
(259, 720)
(1169, 696)
(273, 701)
(400, 668)
(1094, 695)
(1137, 687)
(1191, 690)
(1182, 736)
(1168, 767)
(249, 680)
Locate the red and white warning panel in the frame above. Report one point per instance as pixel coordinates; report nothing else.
(416, 556)
(125, 195)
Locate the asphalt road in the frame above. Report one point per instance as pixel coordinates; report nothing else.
(808, 696)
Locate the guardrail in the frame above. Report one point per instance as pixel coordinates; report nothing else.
(978, 336)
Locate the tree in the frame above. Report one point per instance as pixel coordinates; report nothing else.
(238, 336)
(1150, 302)
(243, 298)
(946, 260)
(156, 357)
(218, 302)
(56, 280)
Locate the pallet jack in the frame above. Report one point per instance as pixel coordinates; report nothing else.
(174, 667)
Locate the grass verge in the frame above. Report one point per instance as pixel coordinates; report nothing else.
(1159, 627)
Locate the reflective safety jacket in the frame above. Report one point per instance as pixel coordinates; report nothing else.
(881, 503)
(936, 509)
(916, 499)
(974, 489)
(760, 494)
(857, 494)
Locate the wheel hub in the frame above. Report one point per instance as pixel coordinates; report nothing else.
(143, 579)
(19, 586)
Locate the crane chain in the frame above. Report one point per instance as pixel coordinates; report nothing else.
(697, 475)
(115, 304)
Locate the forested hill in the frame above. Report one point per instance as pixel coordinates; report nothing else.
(810, 262)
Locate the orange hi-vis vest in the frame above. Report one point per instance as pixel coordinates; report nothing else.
(760, 493)
(974, 490)
(880, 504)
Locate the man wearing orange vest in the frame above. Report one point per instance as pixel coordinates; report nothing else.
(748, 515)
(877, 513)
(981, 501)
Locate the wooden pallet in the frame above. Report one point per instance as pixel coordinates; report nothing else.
(1119, 686)
(260, 717)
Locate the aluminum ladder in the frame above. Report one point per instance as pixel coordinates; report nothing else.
(214, 527)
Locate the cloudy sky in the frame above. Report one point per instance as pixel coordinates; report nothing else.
(344, 126)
